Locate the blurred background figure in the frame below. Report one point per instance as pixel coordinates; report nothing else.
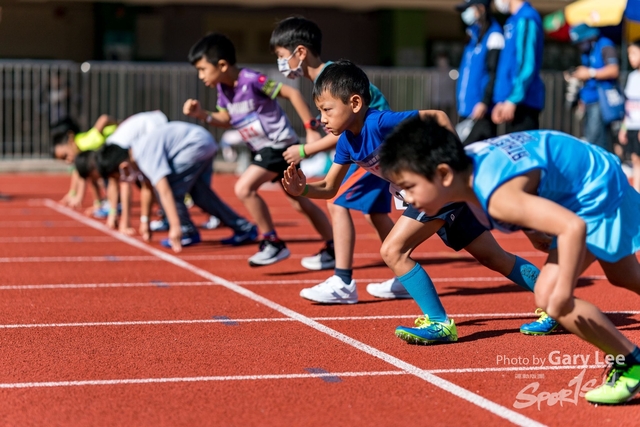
(478, 71)
(599, 97)
(443, 85)
(629, 135)
(519, 92)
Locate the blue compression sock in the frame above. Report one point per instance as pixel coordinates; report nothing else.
(524, 274)
(421, 289)
(345, 274)
(633, 358)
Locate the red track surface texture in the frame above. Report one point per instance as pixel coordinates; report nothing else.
(97, 329)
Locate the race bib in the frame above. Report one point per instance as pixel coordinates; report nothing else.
(252, 132)
(398, 197)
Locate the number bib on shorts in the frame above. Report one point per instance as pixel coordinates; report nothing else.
(252, 132)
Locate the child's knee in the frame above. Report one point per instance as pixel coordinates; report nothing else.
(391, 252)
(296, 203)
(243, 191)
(369, 219)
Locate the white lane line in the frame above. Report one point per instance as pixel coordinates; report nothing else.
(57, 239)
(273, 319)
(37, 224)
(197, 379)
(129, 258)
(283, 376)
(242, 282)
(448, 386)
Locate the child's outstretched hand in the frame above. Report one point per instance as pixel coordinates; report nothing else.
(144, 231)
(112, 222)
(294, 180)
(127, 231)
(175, 235)
(292, 154)
(192, 108)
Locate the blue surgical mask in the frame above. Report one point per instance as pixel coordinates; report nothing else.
(283, 67)
(469, 16)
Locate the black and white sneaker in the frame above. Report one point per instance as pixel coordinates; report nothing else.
(323, 260)
(270, 252)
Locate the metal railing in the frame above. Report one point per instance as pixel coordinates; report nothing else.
(36, 94)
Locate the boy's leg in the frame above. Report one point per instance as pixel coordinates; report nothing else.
(589, 323)
(181, 183)
(272, 249)
(205, 198)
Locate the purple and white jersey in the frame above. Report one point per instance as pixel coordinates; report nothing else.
(254, 111)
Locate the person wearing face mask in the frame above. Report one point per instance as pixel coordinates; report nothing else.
(476, 83)
(519, 91)
(247, 102)
(599, 71)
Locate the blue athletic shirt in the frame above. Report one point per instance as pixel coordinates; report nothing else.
(577, 175)
(596, 59)
(363, 149)
(518, 76)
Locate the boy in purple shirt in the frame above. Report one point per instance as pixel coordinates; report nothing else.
(247, 102)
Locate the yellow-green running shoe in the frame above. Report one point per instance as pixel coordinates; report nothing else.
(428, 332)
(623, 382)
(543, 326)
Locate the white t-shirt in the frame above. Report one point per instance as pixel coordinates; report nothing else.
(632, 104)
(135, 127)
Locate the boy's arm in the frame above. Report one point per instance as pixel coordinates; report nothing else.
(112, 197)
(104, 121)
(295, 97)
(294, 152)
(125, 216)
(439, 116)
(513, 203)
(146, 200)
(73, 188)
(192, 108)
(76, 201)
(295, 182)
(170, 210)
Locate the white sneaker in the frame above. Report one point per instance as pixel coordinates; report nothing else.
(323, 260)
(332, 291)
(269, 253)
(391, 289)
(211, 224)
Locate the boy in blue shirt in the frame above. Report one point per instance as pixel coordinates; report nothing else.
(297, 42)
(342, 95)
(549, 182)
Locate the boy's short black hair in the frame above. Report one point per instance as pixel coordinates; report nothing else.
(213, 48)
(419, 146)
(61, 129)
(109, 158)
(86, 163)
(295, 31)
(342, 79)
(635, 43)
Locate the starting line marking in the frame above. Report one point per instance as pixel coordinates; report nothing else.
(224, 319)
(454, 389)
(312, 374)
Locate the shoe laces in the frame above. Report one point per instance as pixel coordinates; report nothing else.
(425, 322)
(614, 374)
(543, 315)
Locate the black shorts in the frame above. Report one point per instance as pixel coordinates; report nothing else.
(271, 159)
(633, 145)
(461, 225)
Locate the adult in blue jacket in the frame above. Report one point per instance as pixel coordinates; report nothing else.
(478, 68)
(519, 91)
(599, 71)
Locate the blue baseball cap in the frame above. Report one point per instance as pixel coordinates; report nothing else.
(583, 32)
(463, 6)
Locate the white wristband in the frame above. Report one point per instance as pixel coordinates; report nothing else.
(144, 219)
(592, 73)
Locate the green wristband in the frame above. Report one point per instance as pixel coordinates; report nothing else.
(302, 153)
(306, 190)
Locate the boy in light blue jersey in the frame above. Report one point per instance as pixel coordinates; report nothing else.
(297, 42)
(549, 182)
(342, 96)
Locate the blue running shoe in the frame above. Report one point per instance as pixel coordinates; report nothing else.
(186, 240)
(240, 238)
(428, 332)
(543, 326)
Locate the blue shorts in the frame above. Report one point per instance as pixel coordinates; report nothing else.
(363, 191)
(617, 236)
(461, 225)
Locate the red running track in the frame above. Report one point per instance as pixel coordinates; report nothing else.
(97, 329)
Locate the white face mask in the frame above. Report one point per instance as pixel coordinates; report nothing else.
(283, 67)
(502, 6)
(469, 16)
